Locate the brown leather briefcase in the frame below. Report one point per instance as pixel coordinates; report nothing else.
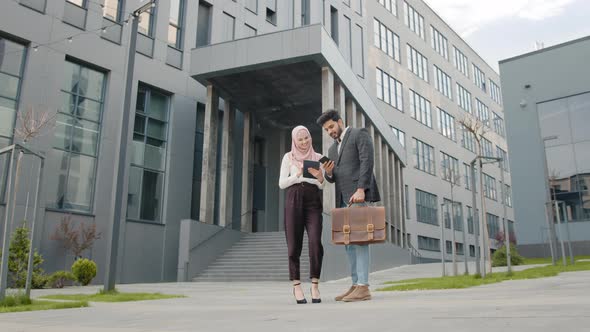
(359, 225)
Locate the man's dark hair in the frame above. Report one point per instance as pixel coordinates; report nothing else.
(327, 116)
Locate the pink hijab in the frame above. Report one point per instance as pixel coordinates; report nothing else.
(299, 155)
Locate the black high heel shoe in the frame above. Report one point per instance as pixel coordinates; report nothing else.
(319, 299)
(304, 301)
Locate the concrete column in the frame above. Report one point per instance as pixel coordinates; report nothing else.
(284, 137)
(327, 141)
(227, 168)
(400, 185)
(340, 101)
(351, 113)
(387, 188)
(209, 157)
(247, 176)
(394, 194)
(360, 119)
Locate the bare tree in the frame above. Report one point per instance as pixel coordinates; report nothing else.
(477, 128)
(32, 124)
(75, 239)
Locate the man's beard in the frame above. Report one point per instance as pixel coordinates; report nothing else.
(339, 133)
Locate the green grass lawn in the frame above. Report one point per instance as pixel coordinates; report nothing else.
(19, 302)
(114, 296)
(547, 260)
(471, 281)
(44, 305)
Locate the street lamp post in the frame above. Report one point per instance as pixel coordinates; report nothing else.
(443, 244)
(475, 217)
(548, 208)
(567, 231)
(558, 218)
(113, 245)
(505, 221)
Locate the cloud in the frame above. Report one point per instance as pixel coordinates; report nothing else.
(468, 16)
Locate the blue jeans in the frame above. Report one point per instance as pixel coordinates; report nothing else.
(358, 258)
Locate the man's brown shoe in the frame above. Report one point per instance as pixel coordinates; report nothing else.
(360, 293)
(341, 296)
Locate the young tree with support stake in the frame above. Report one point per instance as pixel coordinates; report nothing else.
(478, 130)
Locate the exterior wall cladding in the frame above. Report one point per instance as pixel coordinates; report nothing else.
(162, 73)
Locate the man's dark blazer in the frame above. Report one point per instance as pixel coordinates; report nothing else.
(353, 167)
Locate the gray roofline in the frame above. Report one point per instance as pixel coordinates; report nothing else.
(550, 48)
(461, 38)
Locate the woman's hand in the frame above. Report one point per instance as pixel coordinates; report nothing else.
(318, 174)
(300, 172)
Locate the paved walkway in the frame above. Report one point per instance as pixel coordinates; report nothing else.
(559, 303)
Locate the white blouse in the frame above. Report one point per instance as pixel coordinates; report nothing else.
(288, 176)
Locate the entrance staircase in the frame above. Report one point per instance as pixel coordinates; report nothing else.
(256, 257)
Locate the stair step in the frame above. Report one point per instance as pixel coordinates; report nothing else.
(256, 257)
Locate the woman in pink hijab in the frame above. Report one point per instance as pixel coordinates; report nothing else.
(303, 211)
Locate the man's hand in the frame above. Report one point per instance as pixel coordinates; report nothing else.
(328, 167)
(358, 196)
(316, 173)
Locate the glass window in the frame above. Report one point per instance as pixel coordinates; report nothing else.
(489, 187)
(175, 24)
(424, 157)
(414, 20)
(439, 43)
(229, 27)
(464, 98)
(442, 83)
(81, 3)
(479, 78)
(389, 90)
(12, 57)
(461, 62)
(204, 24)
(446, 124)
(482, 112)
(420, 109)
(390, 5)
(77, 135)
(450, 169)
(252, 5)
(417, 63)
(428, 243)
(148, 156)
(146, 22)
(112, 9)
(495, 92)
(426, 207)
(493, 225)
(386, 40)
(401, 136)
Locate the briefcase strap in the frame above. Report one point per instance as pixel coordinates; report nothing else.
(346, 228)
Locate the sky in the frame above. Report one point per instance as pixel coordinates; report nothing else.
(501, 29)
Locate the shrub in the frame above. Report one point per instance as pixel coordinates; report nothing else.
(18, 261)
(499, 257)
(59, 279)
(84, 270)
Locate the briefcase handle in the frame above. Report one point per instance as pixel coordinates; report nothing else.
(364, 203)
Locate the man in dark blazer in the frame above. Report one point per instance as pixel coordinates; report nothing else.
(351, 168)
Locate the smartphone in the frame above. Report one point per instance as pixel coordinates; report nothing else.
(324, 159)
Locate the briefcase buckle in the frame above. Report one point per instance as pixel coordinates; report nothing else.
(346, 229)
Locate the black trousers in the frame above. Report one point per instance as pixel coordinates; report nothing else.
(303, 211)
